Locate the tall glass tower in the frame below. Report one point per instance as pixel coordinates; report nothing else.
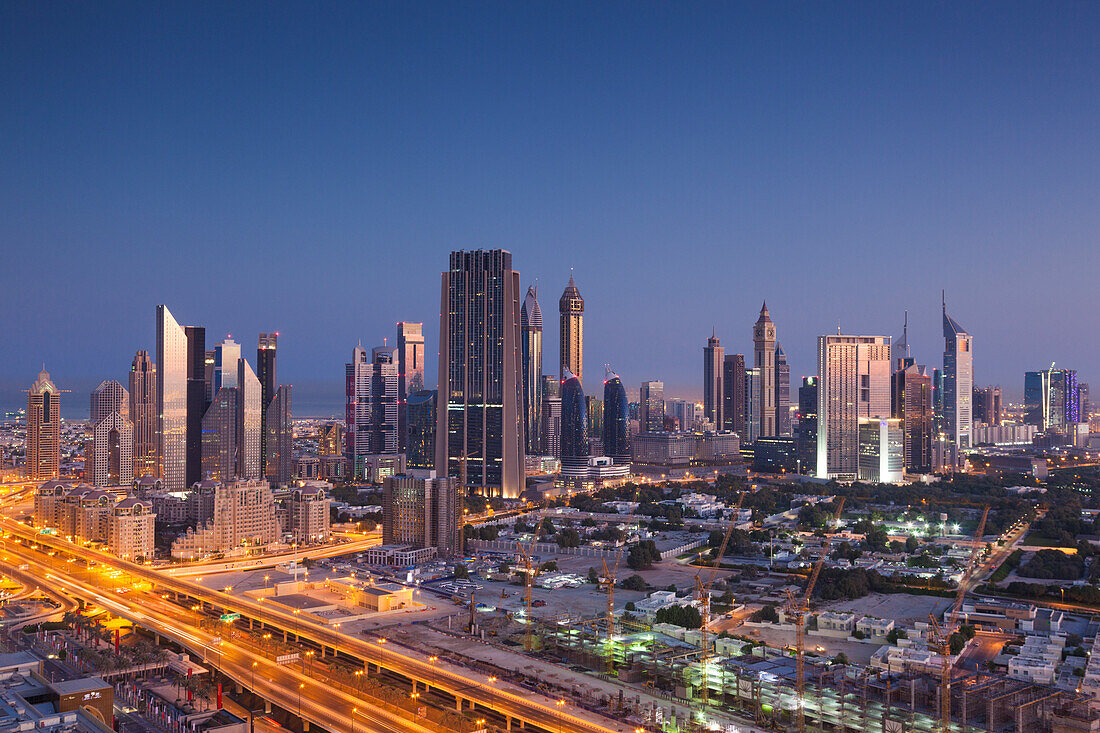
(958, 381)
(713, 401)
(531, 325)
(480, 427)
(574, 423)
(171, 401)
(571, 310)
(265, 372)
(616, 419)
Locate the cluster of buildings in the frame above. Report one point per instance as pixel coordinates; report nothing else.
(125, 524)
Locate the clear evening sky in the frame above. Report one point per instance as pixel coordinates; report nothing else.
(307, 167)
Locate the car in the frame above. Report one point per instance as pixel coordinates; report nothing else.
(538, 604)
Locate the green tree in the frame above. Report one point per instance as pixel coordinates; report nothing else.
(461, 571)
(634, 582)
(643, 555)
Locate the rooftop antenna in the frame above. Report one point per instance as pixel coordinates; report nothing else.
(905, 333)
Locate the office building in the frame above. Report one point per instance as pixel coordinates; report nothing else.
(616, 419)
(753, 405)
(279, 437)
(480, 406)
(423, 512)
(651, 401)
(574, 424)
(143, 413)
(308, 516)
(571, 310)
(1052, 398)
(937, 404)
(220, 442)
(764, 343)
(684, 449)
(911, 402)
(109, 459)
(372, 406)
(881, 455)
(958, 382)
(530, 316)
(420, 451)
(595, 422)
(266, 373)
(198, 398)
(987, 406)
(733, 393)
(683, 412)
(806, 442)
(782, 392)
(331, 440)
(775, 454)
(713, 396)
(172, 402)
(241, 521)
(410, 373)
(43, 445)
(551, 425)
(853, 382)
(226, 356)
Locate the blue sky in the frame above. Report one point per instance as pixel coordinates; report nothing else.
(306, 168)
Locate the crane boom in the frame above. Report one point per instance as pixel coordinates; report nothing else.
(704, 600)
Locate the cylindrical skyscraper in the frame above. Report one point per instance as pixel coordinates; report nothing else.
(574, 423)
(616, 419)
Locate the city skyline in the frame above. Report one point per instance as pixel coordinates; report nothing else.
(643, 157)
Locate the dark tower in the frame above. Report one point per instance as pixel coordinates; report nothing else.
(196, 400)
(616, 419)
(265, 372)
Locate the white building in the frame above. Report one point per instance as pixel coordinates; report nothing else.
(881, 450)
(243, 521)
(853, 382)
(1038, 659)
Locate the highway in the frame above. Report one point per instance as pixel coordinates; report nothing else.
(512, 701)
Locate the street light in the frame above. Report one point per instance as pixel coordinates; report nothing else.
(561, 706)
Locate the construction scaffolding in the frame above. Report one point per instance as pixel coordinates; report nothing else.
(762, 687)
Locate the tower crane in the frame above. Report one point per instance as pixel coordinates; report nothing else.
(940, 636)
(797, 610)
(608, 582)
(703, 592)
(530, 570)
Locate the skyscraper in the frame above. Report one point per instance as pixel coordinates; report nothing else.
(713, 397)
(1053, 399)
(571, 309)
(109, 460)
(782, 392)
(420, 451)
(574, 423)
(43, 451)
(423, 512)
(143, 413)
(763, 339)
(172, 401)
(616, 419)
(911, 402)
(987, 405)
(752, 405)
(480, 408)
(806, 442)
(266, 350)
(958, 381)
(410, 370)
(372, 406)
(853, 382)
(279, 437)
(220, 442)
(733, 394)
(531, 326)
(652, 402)
(249, 422)
(197, 400)
(550, 420)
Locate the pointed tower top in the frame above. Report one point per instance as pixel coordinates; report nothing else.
(765, 317)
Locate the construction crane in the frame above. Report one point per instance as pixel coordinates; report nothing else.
(530, 571)
(608, 582)
(939, 637)
(797, 610)
(703, 591)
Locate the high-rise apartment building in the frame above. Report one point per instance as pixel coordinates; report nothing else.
(241, 519)
(853, 382)
(571, 310)
(249, 422)
(109, 459)
(752, 405)
(279, 438)
(616, 419)
(782, 392)
(172, 402)
(682, 411)
(43, 446)
(266, 372)
(143, 413)
(220, 442)
(410, 369)
(372, 406)
(911, 402)
(713, 397)
(423, 512)
(574, 423)
(197, 399)
(420, 451)
(651, 401)
(308, 517)
(806, 440)
(733, 394)
(531, 326)
(958, 382)
(764, 343)
(551, 424)
(880, 450)
(480, 407)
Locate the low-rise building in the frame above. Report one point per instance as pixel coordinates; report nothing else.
(876, 628)
(836, 623)
(88, 514)
(308, 517)
(1038, 659)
